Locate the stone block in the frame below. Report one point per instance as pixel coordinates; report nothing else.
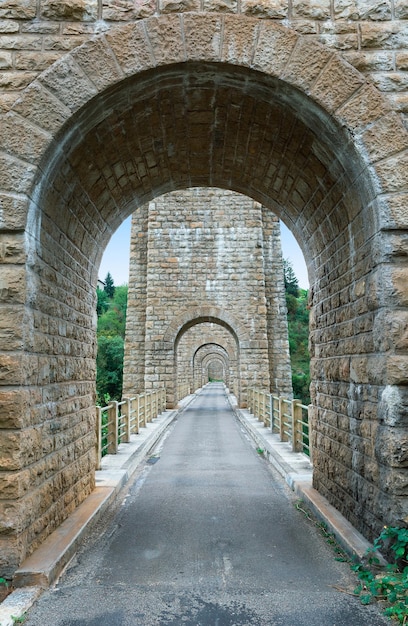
(42, 108)
(127, 10)
(98, 63)
(18, 9)
(361, 9)
(306, 63)
(203, 37)
(180, 6)
(271, 9)
(401, 9)
(391, 35)
(14, 408)
(68, 83)
(132, 50)
(393, 173)
(274, 49)
(69, 10)
(384, 135)
(19, 137)
(12, 284)
(313, 9)
(336, 85)
(34, 61)
(14, 81)
(13, 211)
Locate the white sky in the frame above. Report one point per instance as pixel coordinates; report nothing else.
(116, 257)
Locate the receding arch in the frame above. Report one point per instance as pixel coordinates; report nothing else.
(147, 108)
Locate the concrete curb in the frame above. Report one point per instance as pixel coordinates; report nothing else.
(297, 471)
(46, 564)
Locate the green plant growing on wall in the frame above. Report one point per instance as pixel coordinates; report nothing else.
(390, 583)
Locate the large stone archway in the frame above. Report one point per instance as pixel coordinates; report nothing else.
(211, 100)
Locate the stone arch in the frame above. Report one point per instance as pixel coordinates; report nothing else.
(207, 351)
(314, 139)
(187, 322)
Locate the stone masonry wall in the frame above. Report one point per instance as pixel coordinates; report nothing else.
(205, 248)
(371, 34)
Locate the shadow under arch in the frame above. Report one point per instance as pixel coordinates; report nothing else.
(84, 148)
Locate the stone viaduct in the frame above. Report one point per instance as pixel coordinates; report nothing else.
(105, 105)
(206, 268)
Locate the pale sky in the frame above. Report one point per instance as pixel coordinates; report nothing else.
(116, 257)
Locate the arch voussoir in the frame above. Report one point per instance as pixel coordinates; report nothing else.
(166, 29)
(21, 138)
(203, 36)
(239, 40)
(336, 84)
(98, 62)
(131, 48)
(273, 49)
(68, 82)
(42, 108)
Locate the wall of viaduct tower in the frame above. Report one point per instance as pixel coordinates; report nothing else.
(211, 266)
(105, 106)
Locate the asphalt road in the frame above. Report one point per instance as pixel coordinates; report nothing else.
(207, 535)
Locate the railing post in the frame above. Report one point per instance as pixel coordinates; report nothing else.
(271, 410)
(296, 419)
(126, 412)
(98, 437)
(281, 420)
(265, 419)
(113, 427)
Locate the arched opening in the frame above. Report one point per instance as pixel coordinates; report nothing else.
(199, 340)
(313, 142)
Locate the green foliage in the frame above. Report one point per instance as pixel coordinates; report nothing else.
(109, 288)
(390, 583)
(102, 301)
(298, 328)
(111, 334)
(291, 282)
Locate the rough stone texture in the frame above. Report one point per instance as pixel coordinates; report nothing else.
(207, 250)
(234, 108)
(371, 33)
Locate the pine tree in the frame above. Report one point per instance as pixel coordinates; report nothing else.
(291, 282)
(109, 288)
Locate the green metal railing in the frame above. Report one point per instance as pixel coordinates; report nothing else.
(288, 418)
(118, 420)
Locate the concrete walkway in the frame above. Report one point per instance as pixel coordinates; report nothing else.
(206, 535)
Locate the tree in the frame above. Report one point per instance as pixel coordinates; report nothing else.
(111, 334)
(102, 301)
(291, 282)
(109, 288)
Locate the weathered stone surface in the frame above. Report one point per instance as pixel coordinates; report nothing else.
(42, 108)
(331, 90)
(27, 143)
(385, 134)
(131, 50)
(70, 10)
(273, 50)
(127, 10)
(179, 6)
(275, 9)
(393, 173)
(18, 9)
(68, 83)
(316, 9)
(106, 72)
(302, 137)
(362, 9)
